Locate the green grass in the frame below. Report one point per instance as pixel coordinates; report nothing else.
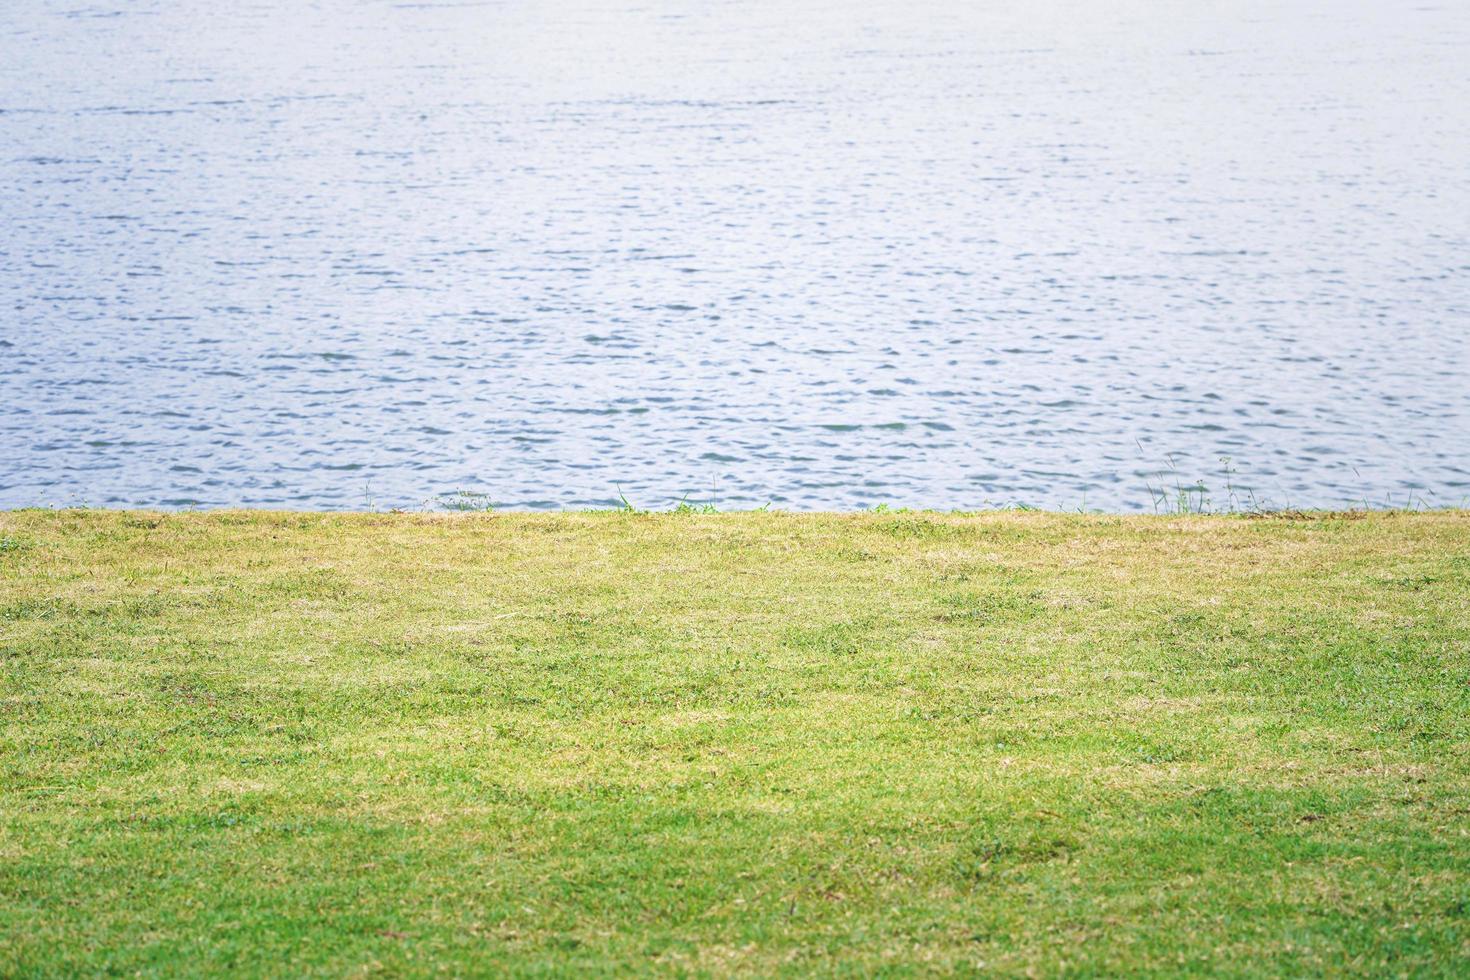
(897, 742)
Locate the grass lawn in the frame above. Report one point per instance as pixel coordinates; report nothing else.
(354, 744)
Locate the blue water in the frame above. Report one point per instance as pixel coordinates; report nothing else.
(822, 255)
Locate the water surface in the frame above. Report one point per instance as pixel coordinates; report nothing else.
(823, 255)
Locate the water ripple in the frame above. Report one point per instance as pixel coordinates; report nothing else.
(815, 255)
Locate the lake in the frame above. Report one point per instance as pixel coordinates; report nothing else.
(356, 254)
